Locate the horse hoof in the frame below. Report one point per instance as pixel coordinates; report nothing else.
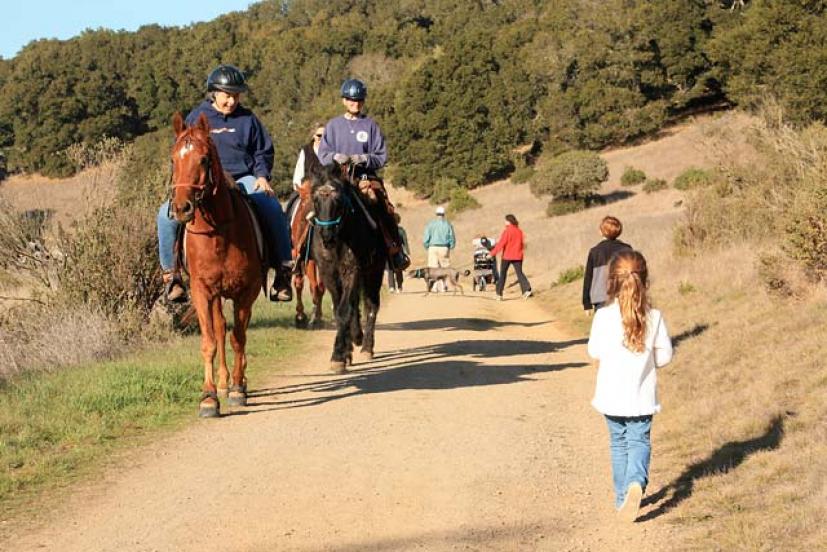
(349, 360)
(222, 392)
(317, 324)
(237, 398)
(338, 366)
(367, 355)
(209, 411)
(301, 322)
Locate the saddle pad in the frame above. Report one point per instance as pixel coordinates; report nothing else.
(256, 228)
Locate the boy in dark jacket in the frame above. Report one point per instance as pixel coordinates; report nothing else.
(597, 264)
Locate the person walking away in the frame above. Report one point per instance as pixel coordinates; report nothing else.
(597, 263)
(439, 239)
(246, 153)
(630, 340)
(512, 246)
(356, 139)
(307, 163)
(395, 276)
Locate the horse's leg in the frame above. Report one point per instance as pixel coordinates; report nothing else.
(242, 313)
(372, 291)
(316, 292)
(298, 284)
(209, 406)
(356, 334)
(219, 325)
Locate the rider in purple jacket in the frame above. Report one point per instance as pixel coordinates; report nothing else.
(356, 139)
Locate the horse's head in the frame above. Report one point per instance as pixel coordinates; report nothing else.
(330, 205)
(194, 172)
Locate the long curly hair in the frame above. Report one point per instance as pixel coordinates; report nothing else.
(629, 283)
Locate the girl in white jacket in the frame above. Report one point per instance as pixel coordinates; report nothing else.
(630, 340)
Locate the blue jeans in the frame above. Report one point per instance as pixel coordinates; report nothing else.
(274, 226)
(631, 450)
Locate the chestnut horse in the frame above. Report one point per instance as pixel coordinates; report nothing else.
(306, 266)
(221, 255)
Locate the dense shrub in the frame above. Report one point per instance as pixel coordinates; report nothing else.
(692, 178)
(632, 177)
(564, 206)
(461, 200)
(522, 175)
(654, 185)
(573, 175)
(442, 190)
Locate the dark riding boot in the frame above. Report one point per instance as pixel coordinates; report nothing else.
(174, 289)
(281, 290)
(390, 229)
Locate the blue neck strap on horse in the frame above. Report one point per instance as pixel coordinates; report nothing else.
(324, 223)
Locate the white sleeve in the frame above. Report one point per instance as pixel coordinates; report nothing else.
(595, 338)
(298, 172)
(662, 347)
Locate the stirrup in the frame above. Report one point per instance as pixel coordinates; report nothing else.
(174, 289)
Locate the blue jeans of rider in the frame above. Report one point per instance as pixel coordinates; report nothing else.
(275, 228)
(631, 448)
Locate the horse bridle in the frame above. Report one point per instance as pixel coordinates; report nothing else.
(338, 220)
(201, 189)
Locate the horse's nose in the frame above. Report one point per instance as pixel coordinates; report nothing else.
(188, 209)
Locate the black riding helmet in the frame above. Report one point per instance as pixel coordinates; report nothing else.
(354, 89)
(226, 78)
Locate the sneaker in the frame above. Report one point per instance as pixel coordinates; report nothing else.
(631, 504)
(499, 297)
(174, 288)
(528, 294)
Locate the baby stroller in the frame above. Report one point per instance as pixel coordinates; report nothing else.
(485, 266)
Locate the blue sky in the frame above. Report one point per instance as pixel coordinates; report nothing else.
(27, 20)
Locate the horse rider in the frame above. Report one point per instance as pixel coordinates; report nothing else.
(306, 164)
(246, 153)
(355, 139)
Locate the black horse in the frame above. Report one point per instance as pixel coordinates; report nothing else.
(350, 252)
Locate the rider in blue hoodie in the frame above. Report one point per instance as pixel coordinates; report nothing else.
(246, 152)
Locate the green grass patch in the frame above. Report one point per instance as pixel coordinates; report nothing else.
(58, 426)
(570, 275)
(632, 177)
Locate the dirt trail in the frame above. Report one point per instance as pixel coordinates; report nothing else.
(471, 431)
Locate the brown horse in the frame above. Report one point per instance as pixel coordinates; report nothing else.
(221, 254)
(300, 229)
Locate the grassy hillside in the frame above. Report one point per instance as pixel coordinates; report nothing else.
(740, 449)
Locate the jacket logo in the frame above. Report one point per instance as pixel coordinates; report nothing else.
(362, 136)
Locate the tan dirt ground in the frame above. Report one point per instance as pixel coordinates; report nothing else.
(471, 431)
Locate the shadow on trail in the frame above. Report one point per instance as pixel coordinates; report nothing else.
(453, 324)
(525, 535)
(727, 457)
(429, 375)
(695, 331)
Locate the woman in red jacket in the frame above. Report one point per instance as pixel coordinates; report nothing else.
(511, 245)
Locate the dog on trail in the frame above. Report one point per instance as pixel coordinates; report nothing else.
(445, 275)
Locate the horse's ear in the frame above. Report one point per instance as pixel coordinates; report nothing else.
(202, 123)
(178, 123)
